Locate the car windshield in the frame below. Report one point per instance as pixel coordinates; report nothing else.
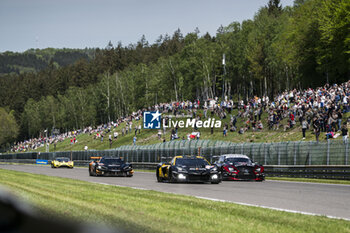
(239, 161)
(62, 159)
(111, 161)
(191, 162)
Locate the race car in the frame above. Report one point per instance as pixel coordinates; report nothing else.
(239, 167)
(188, 169)
(109, 166)
(62, 162)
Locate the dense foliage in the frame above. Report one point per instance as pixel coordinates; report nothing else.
(34, 60)
(8, 126)
(302, 46)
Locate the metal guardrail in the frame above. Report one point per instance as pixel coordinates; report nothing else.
(339, 172)
(319, 172)
(327, 159)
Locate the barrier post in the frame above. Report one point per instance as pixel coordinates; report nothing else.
(265, 155)
(310, 154)
(328, 142)
(279, 154)
(295, 153)
(346, 152)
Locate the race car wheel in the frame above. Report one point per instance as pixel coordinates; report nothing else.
(159, 179)
(90, 173)
(171, 178)
(215, 182)
(93, 172)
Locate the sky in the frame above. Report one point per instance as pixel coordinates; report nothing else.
(26, 24)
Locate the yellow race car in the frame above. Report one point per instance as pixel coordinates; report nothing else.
(188, 169)
(62, 162)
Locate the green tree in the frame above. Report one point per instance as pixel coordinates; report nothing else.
(8, 128)
(334, 49)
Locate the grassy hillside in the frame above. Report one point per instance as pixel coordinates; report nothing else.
(147, 136)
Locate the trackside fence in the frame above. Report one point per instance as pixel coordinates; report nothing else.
(282, 153)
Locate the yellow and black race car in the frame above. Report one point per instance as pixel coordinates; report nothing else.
(188, 169)
(62, 162)
(109, 166)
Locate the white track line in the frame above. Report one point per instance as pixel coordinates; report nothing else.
(273, 208)
(238, 203)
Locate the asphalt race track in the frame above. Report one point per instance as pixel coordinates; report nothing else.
(320, 199)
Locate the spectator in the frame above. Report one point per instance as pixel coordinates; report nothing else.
(344, 132)
(317, 128)
(340, 116)
(224, 132)
(330, 133)
(304, 126)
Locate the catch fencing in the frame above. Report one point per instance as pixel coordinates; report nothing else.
(282, 153)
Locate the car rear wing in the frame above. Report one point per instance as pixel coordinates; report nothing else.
(95, 157)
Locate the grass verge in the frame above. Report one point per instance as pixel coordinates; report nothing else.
(310, 180)
(151, 211)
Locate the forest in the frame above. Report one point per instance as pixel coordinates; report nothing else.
(307, 45)
(34, 60)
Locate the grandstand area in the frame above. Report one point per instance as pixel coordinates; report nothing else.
(323, 111)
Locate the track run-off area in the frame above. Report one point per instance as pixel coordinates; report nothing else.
(332, 200)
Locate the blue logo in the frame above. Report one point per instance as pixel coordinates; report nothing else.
(41, 161)
(151, 120)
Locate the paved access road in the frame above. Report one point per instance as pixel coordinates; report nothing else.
(321, 199)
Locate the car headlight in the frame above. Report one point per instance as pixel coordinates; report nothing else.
(258, 169)
(214, 177)
(214, 169)
(231, 169)
(99, 167)
(179, 169)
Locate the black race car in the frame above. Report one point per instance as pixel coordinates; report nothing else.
(188, 169)
(109, 166)
(239, 167)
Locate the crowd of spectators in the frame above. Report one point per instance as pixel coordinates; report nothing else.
(320, 110)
